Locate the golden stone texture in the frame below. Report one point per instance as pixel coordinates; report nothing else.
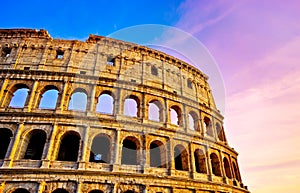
(50, 150)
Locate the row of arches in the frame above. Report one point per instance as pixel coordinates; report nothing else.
(101, 149)
(62, 190)
(78, 100)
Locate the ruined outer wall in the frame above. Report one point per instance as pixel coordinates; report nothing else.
(103, 65)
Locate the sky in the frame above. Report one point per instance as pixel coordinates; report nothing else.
(255, 44)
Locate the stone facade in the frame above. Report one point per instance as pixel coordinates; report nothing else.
(148, 123)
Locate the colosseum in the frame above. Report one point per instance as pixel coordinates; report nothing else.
(106, 115)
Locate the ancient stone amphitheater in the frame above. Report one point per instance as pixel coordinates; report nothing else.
(106, 115)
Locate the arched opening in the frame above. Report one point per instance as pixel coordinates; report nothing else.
(181, 158)
(5, 136)
(208, 127)
(157, 154)
(155, 112)
(175, 115)
(60, 190)
(69, 146)
(129, 191)
(200, 161)
(35, 147)
(193, 121)
(215, 164)
(105, 103)
(220, 132)
(19, 97)
(78, 100)
(96, 191)
(236, 172)
(49, 98)
(131, 106)
(21, 190)
(100, 151)
(227, 168)
(130, 151)
(154, 71)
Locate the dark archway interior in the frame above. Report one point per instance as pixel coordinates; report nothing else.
(69, 147)
(129, 152)
(100, 151)
(178, 159)
(5, 135)
(21, 190)
(35, 146)
(60, 190)
(155, 155)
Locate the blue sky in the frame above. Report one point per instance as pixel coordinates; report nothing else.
(77, 19)
(256, 45)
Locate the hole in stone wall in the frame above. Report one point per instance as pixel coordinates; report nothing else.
(59, 54)
(110, 61)
(6, 52)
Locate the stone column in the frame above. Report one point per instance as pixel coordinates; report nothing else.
(171, 165)
(208, 163)
(64, 98)
(42, 187)
(184, 118)
(85, 147)
(30, 103)
(3, 92)
(192, 161)
(92, 105)
(50, 151)
(79, 187)
(118, 148)
(222, 168)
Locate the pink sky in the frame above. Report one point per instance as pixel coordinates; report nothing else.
(257, 47)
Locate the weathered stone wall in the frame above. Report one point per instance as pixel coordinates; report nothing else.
(33, 60)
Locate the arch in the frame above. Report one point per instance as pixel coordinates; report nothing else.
(215, 164)
(19, 96)
(220, 132)
(200, 161)
(36, 142)
(49, 97)
(227, 168)
(96, 191)
(20, 190)
(105, 103)
(208, 127)
(155, 111)
(69, 146)
(193, 121)
(157, 154)
(236, 172)
(78, 100)
(60, 190)
(130, 151)
(181, 158)
(154, 70)
(100, 150)
(175, 115)
(5, 138)
(131, 106)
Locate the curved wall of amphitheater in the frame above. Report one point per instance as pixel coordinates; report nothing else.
(123, 118)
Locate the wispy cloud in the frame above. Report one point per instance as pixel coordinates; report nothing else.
(256, 44)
